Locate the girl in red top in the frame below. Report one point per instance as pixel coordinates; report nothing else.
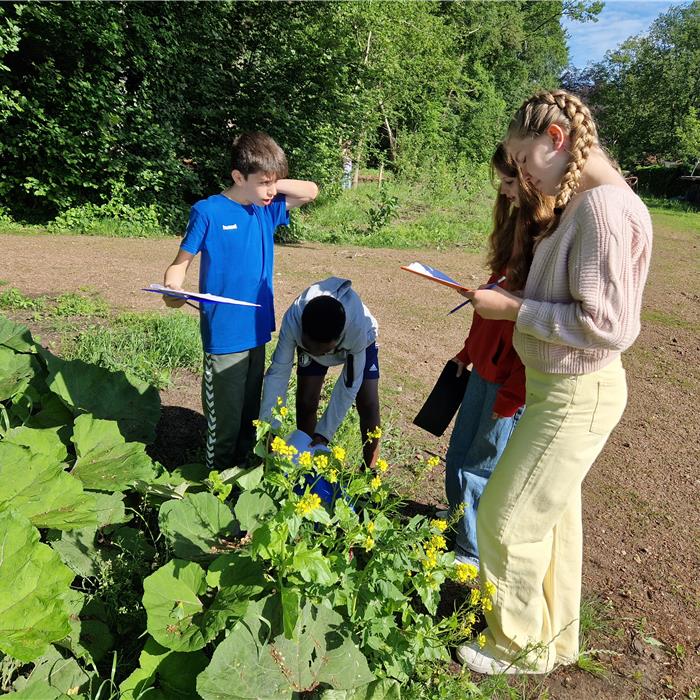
(495, 395)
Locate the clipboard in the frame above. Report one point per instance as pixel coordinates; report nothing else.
(195, 296)
(443, 401)
(433, 274)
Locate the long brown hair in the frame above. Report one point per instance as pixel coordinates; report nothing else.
(515, 228)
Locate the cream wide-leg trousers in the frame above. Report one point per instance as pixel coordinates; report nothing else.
(529, 518)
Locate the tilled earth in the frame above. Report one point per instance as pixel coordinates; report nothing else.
(641, 498)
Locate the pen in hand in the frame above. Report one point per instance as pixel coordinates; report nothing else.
(488, 286)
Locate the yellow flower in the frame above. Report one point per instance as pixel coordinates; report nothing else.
(430, 561)
(438, 542)
(486, 604)
(475, 596)
(433, 461)
(374, 434)
(284, 411)
(465, 572)
(279, 400)
(368, 543)
(439, 524)
(481, 640)
(375, 483)
(321, 462)
(257, 423)
(308, 503)
(339, 453)
(370, 527)
(332, 476)
(280, 447)
(306, 459)
(382, 465)
(489, 588)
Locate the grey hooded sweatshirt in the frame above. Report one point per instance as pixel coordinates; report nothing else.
(360, 331)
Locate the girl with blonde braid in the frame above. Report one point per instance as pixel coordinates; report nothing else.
(580, 309)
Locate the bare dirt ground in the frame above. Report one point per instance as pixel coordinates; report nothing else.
(641, 498)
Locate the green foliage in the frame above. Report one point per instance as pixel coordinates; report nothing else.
(13, 300)
(86, 388)
(449, 206)
(32, 609)
(124, 142)
(661, 181)
(649, 89)
(77, 304)
(382, 212)
(688, 135)
(148, 346)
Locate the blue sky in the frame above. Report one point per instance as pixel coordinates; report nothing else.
(619, 20)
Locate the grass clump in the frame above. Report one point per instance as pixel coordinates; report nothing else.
(148, 346)
(12, 299)
(76, 304)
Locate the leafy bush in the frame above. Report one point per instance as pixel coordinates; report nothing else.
(662, 181)
(270, 592)
(114, 218)
(13, 300)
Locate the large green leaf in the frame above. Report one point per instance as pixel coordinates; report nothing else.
(381, 689)
(253, 508)
(313, 565)
(174, 673)
(38, 487)
(77, 550)
(177, 615)
(65, 675)
(245, 666)
(16, 371)
(46, 441)
(86, 388)
(33, 582)
(106, 462)
(15, 336)
(197, 526)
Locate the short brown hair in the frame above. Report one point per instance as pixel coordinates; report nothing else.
(256, 152)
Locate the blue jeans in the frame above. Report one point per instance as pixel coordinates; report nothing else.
(476, 445)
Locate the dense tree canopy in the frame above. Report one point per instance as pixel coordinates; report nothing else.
(647, 93)
(140, 101)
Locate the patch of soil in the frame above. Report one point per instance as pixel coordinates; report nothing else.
(641, 519)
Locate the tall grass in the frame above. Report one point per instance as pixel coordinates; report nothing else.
(149, 346)
(402, 214)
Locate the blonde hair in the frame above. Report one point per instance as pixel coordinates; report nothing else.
(566, 110)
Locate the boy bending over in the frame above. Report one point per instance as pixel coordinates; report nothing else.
(328, 325)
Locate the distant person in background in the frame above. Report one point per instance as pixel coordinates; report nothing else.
(495, 394)
(346, 182)
(325, 326)
(233, 230)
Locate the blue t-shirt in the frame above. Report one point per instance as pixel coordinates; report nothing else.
(236, 243)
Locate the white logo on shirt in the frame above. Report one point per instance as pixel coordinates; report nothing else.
(373, 368)
(231, 227)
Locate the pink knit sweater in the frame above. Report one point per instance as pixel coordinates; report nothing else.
(583, 294)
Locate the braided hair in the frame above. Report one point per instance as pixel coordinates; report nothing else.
(559, 107)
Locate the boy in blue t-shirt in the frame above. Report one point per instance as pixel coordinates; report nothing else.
(234, 231)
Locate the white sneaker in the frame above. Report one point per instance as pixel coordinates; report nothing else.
(480, 661)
